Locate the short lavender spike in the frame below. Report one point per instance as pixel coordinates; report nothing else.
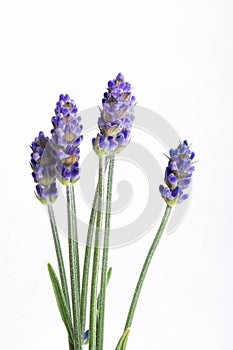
(43, 165)
(178, 174)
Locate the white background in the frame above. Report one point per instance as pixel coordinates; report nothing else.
(178, 55)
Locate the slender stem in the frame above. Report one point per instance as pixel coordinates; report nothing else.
(100, 339)
(87, 258)
(73, 271)
(60, 262)
(76, 237)
(96, 259)
(71, 345)
(86, 265)
(145, 267)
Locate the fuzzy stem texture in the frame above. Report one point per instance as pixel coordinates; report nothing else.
(73, 270)
(146, 266)
(102, 298)
(96, 259)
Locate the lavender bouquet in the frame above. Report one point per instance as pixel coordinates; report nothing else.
(56, 158)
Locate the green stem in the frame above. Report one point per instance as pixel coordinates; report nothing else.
(76, 237)
(86, 265)
(87, 258)
(60, 261)
(96, 259)
(100, 339)
(71, 345)
(73, 270)
(145, 267)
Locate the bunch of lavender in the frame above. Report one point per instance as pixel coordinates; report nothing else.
(58, 158)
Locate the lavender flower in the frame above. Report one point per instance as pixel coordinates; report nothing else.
(43, 166)
(66, 138)
(178, 174)
(117, 115)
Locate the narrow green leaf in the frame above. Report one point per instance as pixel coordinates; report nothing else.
(123, 340)
(61, 303)
(109, 274)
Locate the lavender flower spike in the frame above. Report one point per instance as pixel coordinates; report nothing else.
(43, 166)
(116, 118)
(66, 138)
(178, 174)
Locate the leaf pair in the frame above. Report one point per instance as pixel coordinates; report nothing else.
(61, 302)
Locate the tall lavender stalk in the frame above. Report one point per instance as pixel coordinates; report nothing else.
(115, 123)
(43, 165)
(178, 176)
(66, 138)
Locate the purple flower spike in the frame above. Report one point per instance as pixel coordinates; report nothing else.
(43, 166)
(66, 139)
(178, 174)
(117, 116)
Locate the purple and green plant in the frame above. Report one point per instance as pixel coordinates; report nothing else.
(56, 158)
